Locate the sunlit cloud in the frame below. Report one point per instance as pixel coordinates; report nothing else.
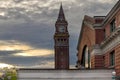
(2, 14)
(2, 65)
(12, 45)
(40, 52)
(25, 50)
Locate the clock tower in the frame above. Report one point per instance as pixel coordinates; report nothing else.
(61, 40)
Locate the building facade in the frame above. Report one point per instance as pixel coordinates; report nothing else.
(99, 41)
(61, 42)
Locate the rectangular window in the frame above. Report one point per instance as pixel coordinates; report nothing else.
(112, 26)
(112, 58)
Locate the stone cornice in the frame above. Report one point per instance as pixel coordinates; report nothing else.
(108, 44)
(111, 37)
(111, 45)
(96, 50)
(88, 24)
(61, 34)
(111, 14)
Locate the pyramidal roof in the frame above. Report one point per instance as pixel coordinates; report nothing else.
(61, 15)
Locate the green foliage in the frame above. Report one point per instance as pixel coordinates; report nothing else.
(10, 73)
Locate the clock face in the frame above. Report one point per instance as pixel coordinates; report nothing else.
(61, 29)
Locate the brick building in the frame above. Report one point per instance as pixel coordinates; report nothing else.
(99, 41)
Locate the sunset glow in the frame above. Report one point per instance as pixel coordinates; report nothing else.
(2, 14)
(25, 50)
(40, 52)
(12, 45)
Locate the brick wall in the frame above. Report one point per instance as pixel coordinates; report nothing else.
(117, 48)
(88, 38)
(91, 37)
(107, 62)
(107, 30)
(93, 61)
(117, 59)
(117, 24)
(118, 19)
(97, 61)
(99, 35)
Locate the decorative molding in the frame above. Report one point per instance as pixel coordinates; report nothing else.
(109, 43)
(89, 24)
(112, 36)
(98, 25)
(96, 50)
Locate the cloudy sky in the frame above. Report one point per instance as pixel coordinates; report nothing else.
(27, 29)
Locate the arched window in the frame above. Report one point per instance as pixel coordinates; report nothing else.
(85, 62)
(86, 57)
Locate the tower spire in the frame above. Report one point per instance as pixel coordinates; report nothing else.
(61, 15)
(61, 41)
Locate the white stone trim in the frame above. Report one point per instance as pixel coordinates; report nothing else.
(112, 41)
(89, 24)
(108, 44)
(96, 50)
(111, 44)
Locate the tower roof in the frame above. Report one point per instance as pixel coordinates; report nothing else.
(61, 15)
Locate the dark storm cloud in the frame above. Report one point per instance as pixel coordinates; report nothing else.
(36, 34)
(25, 61)
(7, 53)
(3, 17)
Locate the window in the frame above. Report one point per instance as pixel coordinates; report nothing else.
(104, 33)
(112, 58)
(64, 39)
(61, 39)
(112, 26)
(88, 59)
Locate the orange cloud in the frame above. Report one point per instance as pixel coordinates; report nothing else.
(11, 45)
(37, 52)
